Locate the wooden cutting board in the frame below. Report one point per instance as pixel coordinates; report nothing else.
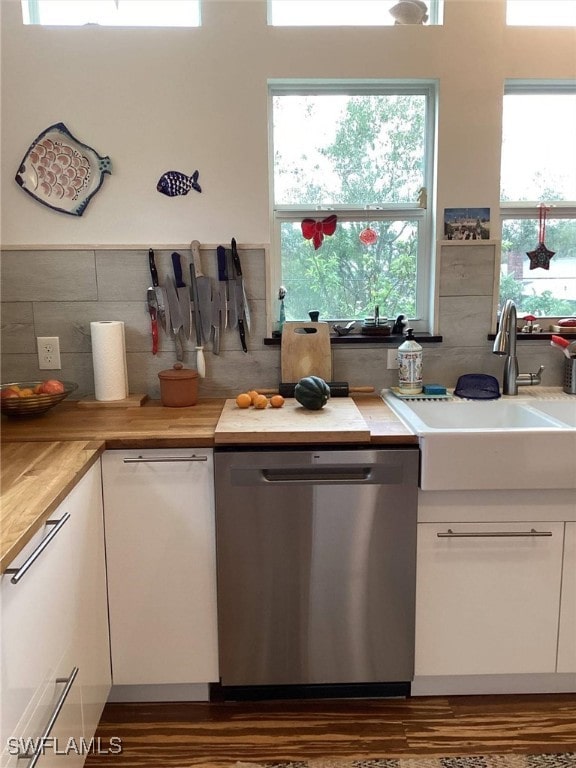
(339, 421)
(305, 351)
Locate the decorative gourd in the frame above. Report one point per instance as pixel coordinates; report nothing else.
(312, 392)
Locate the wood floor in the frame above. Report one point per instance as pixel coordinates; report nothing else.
(186, 735)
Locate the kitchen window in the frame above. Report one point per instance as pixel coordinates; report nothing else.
(353, 13)
(538, 197)
(363, 153)
(120, 13)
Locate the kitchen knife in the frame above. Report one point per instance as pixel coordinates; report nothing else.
(231, 287)
(204, 288)
(236, 259)
(223, 279)
(175, 317)
(153, 312)
(239, 295)
(183, 296)
(200, 362)
(216, 318)
(161, 304)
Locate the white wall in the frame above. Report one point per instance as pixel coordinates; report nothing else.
(180, 99)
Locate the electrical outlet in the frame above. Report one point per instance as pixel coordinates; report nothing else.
(48, 353)
(392, 361)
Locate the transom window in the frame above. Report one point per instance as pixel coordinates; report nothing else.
(541, 13)
(361, 153)
(366, 13)
(539, 169)
(123, 13)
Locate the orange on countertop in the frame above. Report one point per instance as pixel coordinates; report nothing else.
(244, 400)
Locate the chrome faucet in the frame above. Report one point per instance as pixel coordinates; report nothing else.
(505, 344)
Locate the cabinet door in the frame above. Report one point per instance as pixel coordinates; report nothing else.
(567, 639)
(487, 602)
(160, 546)
(92, 642)
(39, 625)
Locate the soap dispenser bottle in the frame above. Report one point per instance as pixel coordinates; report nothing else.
(410, 366)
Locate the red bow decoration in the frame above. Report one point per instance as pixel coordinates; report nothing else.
(315, 230)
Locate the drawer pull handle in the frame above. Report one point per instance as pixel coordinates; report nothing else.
(41, 744)
(18, 573)
(450, 534)
(154, 459)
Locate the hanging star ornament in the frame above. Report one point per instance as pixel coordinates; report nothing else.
(540, 257)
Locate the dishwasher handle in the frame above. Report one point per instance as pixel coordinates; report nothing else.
(316, 475)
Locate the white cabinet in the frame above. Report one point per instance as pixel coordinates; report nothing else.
(567, 634)
(488, 598)
(160, 544)
(55, 628)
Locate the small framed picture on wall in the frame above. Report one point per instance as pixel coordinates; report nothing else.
(467, 224)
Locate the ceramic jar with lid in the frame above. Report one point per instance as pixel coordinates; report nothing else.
(178, 386)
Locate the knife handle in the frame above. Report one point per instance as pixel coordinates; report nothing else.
(153, 270)
(195, 249)
(178, 270)
(154, 324)
(222, 271)
(236, 258)
(200, 362)
(242, 334)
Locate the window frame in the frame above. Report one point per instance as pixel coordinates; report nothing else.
(529, 209)
(428, 87)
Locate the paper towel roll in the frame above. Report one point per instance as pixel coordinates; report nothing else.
(109, 360)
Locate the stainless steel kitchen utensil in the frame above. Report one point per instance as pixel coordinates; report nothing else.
(175, 318)
(232, 308)
(204, 288)
(223, 280)
(153, 312)
(216, 318)
(160, 301)
(200, 361)
(183, 295)
(570, 376)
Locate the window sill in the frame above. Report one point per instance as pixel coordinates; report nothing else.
(357, 338)
(543, 336)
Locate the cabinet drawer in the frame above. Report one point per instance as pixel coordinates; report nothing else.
(488, 598)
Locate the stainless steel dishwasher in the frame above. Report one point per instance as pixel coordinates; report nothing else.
(316, 559)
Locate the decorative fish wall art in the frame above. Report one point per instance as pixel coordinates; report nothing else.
(61, 172)
(173, 183)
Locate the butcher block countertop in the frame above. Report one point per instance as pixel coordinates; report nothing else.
(153, 426)
(35, 478)
(43, 458)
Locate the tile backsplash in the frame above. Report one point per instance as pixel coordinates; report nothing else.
(58, 293)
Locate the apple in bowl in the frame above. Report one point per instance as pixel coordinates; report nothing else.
(51, 387)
